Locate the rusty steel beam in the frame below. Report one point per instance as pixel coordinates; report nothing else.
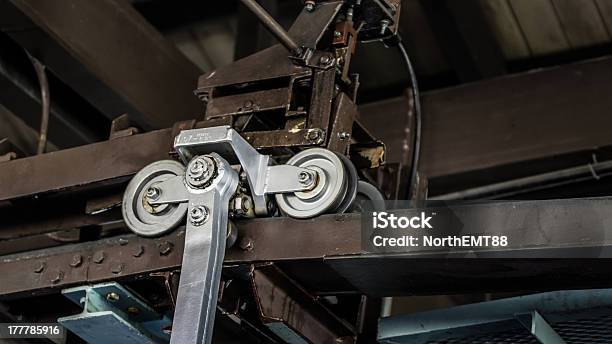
(103, 162)
(467, 128)
(535, 230)
(505, 120)
(109, 54)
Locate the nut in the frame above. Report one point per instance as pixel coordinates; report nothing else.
(153, 193)
(344, 135)
(198, 215)
(305, 178)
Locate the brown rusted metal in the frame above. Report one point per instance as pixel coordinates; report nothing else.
(290, 312)
(266, 100)
(342, 124)
(100, 163)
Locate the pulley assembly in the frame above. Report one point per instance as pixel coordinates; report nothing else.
(312, 182)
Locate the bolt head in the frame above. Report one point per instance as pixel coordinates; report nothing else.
(325, 59)
(198, 215)
(112, 297)
(309, 6)
(344, 135)
(337, 34)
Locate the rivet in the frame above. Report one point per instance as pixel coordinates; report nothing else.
(246, 244)
(76, 261)
(116, 269)
(58, 277)
(40, 268)
(165, 248)
(138, 251)
(98, 257)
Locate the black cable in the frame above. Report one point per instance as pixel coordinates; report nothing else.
(416, 153)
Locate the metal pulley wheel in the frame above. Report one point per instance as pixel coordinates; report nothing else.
(142, 217)
(335, 187)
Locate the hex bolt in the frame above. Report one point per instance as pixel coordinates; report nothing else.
(309, 5)
(139, 251)
(344, 135)
(246, 244)
(153, 193)
(198, 215)
(112, 297)
(98, 257)
(384, 24)
(305, 178)
(76, 261)
(165, 247)
(40, 268)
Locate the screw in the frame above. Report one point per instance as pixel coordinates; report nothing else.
(305, 178)
(165, 247)
(77, 259)
(309, 5)
(384, 24)
(246, 244)
(344, 135)
(112, 297)
(138, 251)
(153, 193)
(198, 215)
(123, 241)
(98, 257)
(337, 34)
(40, 268)
(117, 268)
(58, 277)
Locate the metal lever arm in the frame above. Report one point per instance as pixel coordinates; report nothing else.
(203, 255)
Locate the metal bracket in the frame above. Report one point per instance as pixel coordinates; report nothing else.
(113, 314)
(263, 179)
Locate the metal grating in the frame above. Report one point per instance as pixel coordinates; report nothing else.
(596, 330)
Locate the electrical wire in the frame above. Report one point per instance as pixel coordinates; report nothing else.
(416, 152)
(45, 101)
